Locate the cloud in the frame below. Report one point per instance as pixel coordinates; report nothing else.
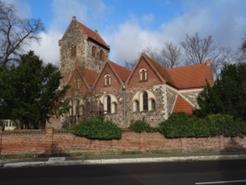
(130, 39)
(22, 7)
(63, 11)
(47, 48)
(224, 20)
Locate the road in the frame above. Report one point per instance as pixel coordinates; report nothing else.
(231, 172)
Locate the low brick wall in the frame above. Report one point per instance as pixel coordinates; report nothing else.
(50, 141)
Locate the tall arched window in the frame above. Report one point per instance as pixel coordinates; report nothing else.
(107, 80)
(73, 51)
(108, 104)
(145, 101)
(143, 75)
(101, 56)
(93, 51)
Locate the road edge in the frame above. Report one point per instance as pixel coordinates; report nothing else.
(61, 161)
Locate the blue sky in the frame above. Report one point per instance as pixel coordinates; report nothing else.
(130, 26)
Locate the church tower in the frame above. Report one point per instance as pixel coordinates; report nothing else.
(82, 46)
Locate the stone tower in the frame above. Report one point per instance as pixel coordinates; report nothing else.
(82, 46)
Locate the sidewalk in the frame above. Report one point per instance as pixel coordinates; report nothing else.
(63, 161)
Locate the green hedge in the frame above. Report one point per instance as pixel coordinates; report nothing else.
(97, 129)
(181, 125)
(141, 126)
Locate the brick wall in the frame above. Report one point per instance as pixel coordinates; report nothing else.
(48, 141)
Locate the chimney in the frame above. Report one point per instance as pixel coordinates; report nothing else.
(208, 62)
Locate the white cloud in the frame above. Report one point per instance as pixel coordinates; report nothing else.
(224, 20)
(22, 7)
(130, 39)
(63, 11)
(48, 48)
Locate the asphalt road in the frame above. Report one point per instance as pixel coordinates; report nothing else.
(232, 172)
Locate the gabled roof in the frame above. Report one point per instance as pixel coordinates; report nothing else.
(191, 76)
(162, 70)
(154, 65)
(93, 35)
(181, 105)
(122, 72)
(185, 77)
(87, 75)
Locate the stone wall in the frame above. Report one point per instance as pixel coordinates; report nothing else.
(75, 37)
(151, 117)
(48, 142)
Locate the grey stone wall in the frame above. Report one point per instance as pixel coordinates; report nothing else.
(75, 37)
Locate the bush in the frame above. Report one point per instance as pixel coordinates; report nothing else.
(141, 126)
(181, 125)
(97, 129)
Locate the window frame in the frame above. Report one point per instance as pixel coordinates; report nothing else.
(145, 101)
(107, 80)
(143, 75)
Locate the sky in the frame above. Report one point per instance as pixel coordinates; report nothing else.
(131, 26)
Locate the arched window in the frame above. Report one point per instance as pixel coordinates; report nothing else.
(152, 104)
(101, 56)
(136, 107)
(73, 51)
(143, 75)
(108, 104)
(107, 80)
(145, 101)
(93, 51)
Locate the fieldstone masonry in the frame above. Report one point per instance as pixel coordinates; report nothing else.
(82, 47)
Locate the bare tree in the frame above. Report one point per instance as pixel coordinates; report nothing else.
(197, 50)
(169, 56)
(15, 33)
(221, 57)
(130, 64)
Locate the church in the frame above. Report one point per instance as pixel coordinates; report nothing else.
(149, 91)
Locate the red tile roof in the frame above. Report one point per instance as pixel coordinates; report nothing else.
(122, 72)
(185, 77)
(181, 105)
(90, 76)
(93, 35)
(191, 76)
(162, 70)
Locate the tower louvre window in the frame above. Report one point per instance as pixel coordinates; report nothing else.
(93, 51)
(73, 51)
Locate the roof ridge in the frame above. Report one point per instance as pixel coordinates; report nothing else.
(161, 69)
(94, 35)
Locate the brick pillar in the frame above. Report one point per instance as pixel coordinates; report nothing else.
(49, 139)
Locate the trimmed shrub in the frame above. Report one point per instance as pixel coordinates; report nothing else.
(181, 125)
(96, 128)
(141, 126)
